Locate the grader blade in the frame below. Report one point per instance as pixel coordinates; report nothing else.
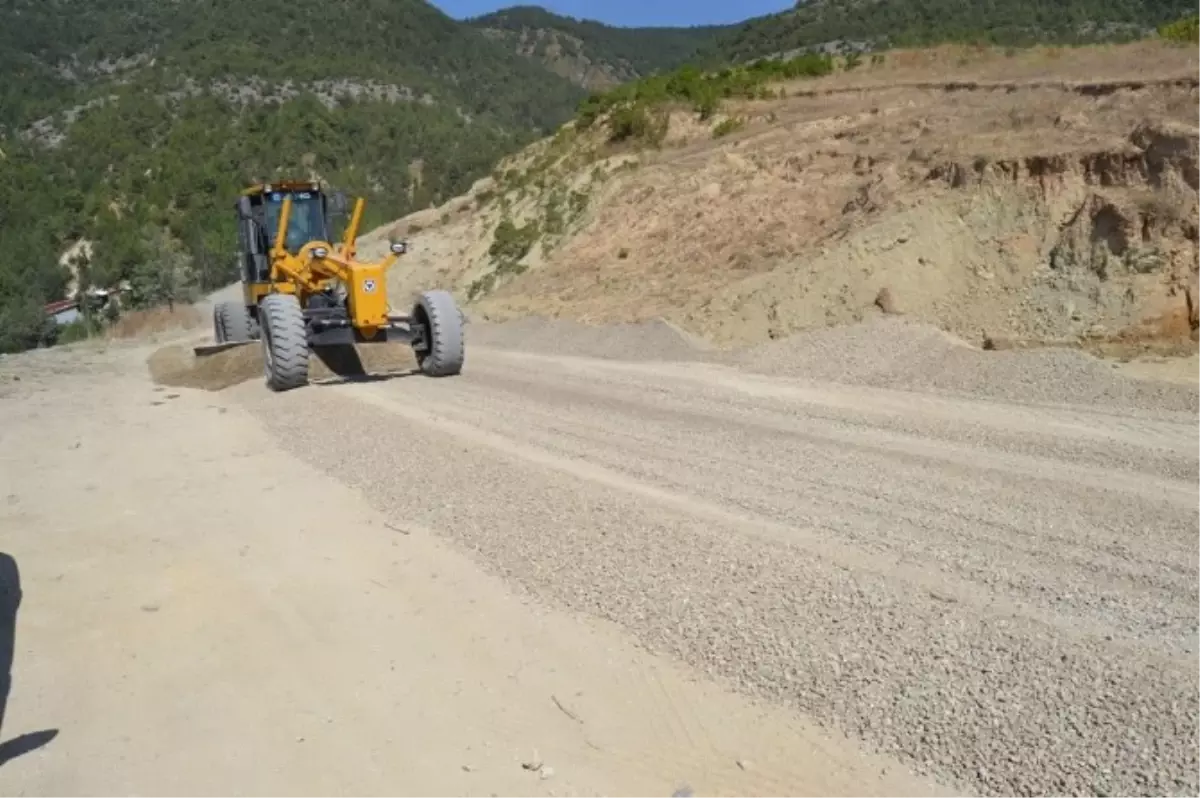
(212, 349)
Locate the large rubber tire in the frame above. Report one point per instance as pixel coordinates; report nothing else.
(444, 325)
(236, 322)
(284, 342)
(218, 325)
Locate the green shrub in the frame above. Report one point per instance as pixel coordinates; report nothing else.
(1183, 31)
(510, 243)
(578, 203)
(727, 126)
(553, 221)
(77, 330)
(629, 104)
(636, 122)
(481, 287)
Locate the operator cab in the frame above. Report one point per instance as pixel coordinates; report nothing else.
(259, 209)
(306, 222)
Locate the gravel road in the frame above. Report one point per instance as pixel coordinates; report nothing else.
(188, 610)
(998, 591)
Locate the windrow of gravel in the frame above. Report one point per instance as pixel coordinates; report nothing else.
(882, 353)
(649, 341)
(895, 353)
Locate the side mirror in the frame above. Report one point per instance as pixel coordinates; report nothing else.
(338, 202)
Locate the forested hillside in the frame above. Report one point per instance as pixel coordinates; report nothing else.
(595, 55)
(905, 23)
(122, 118)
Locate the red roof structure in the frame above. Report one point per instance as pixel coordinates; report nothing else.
(52, 308)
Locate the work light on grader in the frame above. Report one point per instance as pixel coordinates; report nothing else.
(300, 291)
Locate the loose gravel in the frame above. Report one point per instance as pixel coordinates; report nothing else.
(896, 353)
(650, 341)
(888, 352)
(996, 601)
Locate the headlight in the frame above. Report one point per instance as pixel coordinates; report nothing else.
(399, 247)
(320, 252)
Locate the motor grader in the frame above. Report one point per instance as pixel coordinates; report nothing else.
(300, 292)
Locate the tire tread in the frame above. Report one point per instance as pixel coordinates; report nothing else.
(285, 336)
(446, 345)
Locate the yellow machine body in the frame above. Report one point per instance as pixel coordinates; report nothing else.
(309, 267)
(319, 263)
(302, 291)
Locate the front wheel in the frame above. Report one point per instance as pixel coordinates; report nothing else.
(218, 325)
(443, 323)
(284, 342)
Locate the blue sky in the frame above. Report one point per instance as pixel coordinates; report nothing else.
(631, 12)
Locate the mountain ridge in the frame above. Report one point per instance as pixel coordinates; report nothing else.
(878, 24)
(593, 54)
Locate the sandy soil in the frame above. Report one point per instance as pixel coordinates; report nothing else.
(637, 565)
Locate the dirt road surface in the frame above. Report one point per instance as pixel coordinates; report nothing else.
(569, 575)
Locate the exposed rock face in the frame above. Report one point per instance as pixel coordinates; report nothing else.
(1125, 252)
(564, 55)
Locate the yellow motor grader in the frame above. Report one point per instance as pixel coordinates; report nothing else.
(300, 291)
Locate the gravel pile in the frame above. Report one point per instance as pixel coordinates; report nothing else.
(883, 353)
(896, 353)
(655, 340)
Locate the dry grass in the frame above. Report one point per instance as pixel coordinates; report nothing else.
(144, 323)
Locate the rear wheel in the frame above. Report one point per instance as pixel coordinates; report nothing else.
(443, 332)
(284, 342)
(236, 322)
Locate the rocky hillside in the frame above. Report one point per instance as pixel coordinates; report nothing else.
(591, 54)
(1045, 195)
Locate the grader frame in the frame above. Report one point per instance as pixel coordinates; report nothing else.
(300, 292)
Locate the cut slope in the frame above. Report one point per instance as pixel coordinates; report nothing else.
(901, 354)
(1012, 202)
